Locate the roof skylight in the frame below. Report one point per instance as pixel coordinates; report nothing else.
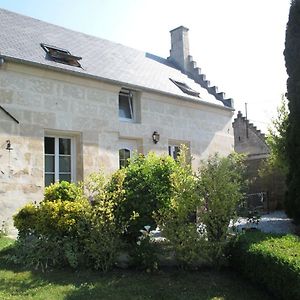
(185, 88)
(61, 55)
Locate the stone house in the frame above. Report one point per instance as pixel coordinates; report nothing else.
(71, 104)
(248, 139)
(252, 142)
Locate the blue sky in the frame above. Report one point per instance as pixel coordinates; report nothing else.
(237, 43)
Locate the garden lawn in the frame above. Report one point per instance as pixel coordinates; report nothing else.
(20, 283)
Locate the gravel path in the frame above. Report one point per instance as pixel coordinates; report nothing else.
(275, 222)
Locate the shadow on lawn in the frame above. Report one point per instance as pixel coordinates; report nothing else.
(169, 285)
(124, 284)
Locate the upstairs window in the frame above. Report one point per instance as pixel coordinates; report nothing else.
(126, 105)
(185, 88)
(61, 55)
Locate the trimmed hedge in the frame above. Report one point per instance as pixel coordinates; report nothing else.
(272, 261)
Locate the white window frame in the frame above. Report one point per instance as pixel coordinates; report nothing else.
(131, 103)
(56, 157)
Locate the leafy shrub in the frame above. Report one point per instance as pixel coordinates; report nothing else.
(48, 233)
(102, 234)
(38, 253)
(71, 229)
(147, 188)
(181, 232)
(73, 233)
(270, 260)
(64, 191)
(59, 218)
(26, 219)
(115, 193)
(145, 254)
(220, 184)
(190, 248)
(94, 186)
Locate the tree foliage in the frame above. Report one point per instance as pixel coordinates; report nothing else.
(292, 59)
(221, 183)
(214, 193)
(147, 188)
(276, 139)
(91, 224)
(177, 221)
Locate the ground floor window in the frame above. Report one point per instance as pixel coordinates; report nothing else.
(59, 159)
(174, 151)
(124, 155)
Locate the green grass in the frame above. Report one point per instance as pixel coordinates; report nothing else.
(4, 242)
(20, 283)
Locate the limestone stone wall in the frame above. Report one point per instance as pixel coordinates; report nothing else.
(48, 102)
(247, 138)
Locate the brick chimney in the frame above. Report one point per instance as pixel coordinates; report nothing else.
(180, 49)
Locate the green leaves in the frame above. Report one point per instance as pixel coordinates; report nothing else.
(270, 260)
(63, 190)
(193, 211)
(277, 140)
(220, 184)
(292, 59)
(147, 188)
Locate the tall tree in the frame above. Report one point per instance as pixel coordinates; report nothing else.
(292, 59)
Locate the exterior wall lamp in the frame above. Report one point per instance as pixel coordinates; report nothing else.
(155, 137)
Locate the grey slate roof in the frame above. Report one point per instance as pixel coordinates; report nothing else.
(20, 38)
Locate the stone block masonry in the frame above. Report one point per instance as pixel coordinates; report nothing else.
(50, 103)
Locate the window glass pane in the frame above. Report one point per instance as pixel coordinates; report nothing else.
(65, 177)
(49, 178)
(49, 145)
(64, 163)
(122, 163)
(124, 155)
(121, 154)
(176, 152)
(65, 146)
(49, 163)
(125, 108)
(58, 160)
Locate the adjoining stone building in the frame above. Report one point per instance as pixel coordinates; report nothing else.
(252, 142)
(71, 104)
